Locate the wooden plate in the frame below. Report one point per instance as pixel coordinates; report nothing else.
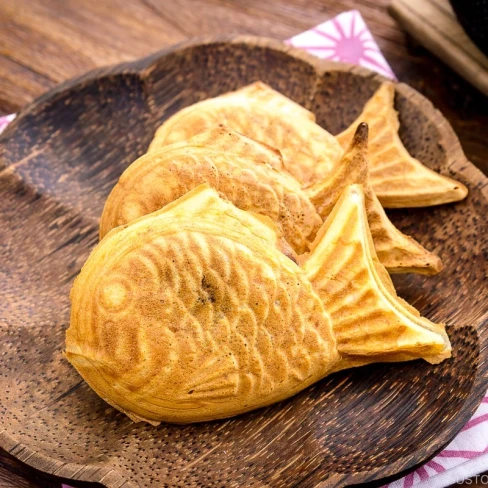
(61, 157)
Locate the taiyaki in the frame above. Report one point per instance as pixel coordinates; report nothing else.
(398, 252)
(398, 179)
(193, 312)
(240, 169)
(263, 114)
(243, 170)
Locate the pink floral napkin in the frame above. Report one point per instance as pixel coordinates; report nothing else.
(346, 38)
(5, 120)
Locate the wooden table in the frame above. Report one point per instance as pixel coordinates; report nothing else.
(44, 42)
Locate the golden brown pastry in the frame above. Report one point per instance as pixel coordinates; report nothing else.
(263, 114)
(370, 322)
(239, 168)
(398, 252)
(193, 313)
(398, 179)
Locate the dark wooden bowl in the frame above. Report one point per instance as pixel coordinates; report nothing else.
(62, 155)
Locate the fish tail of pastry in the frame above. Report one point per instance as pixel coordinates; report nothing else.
(370, 322)
(397, 251)
(398, 179)
(225, 139)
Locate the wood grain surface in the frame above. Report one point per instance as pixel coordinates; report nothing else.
(44, 42)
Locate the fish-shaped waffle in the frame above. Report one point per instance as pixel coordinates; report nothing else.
(398, 179)
(242, 170)
(263, 114)
(193, 312)
(398, 252)
(245, 172)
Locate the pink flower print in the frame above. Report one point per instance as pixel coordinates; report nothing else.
(346, 39)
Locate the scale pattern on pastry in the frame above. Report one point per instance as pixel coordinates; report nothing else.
(193, 313)
(370, 322)
(261, 113)
(240, 169)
